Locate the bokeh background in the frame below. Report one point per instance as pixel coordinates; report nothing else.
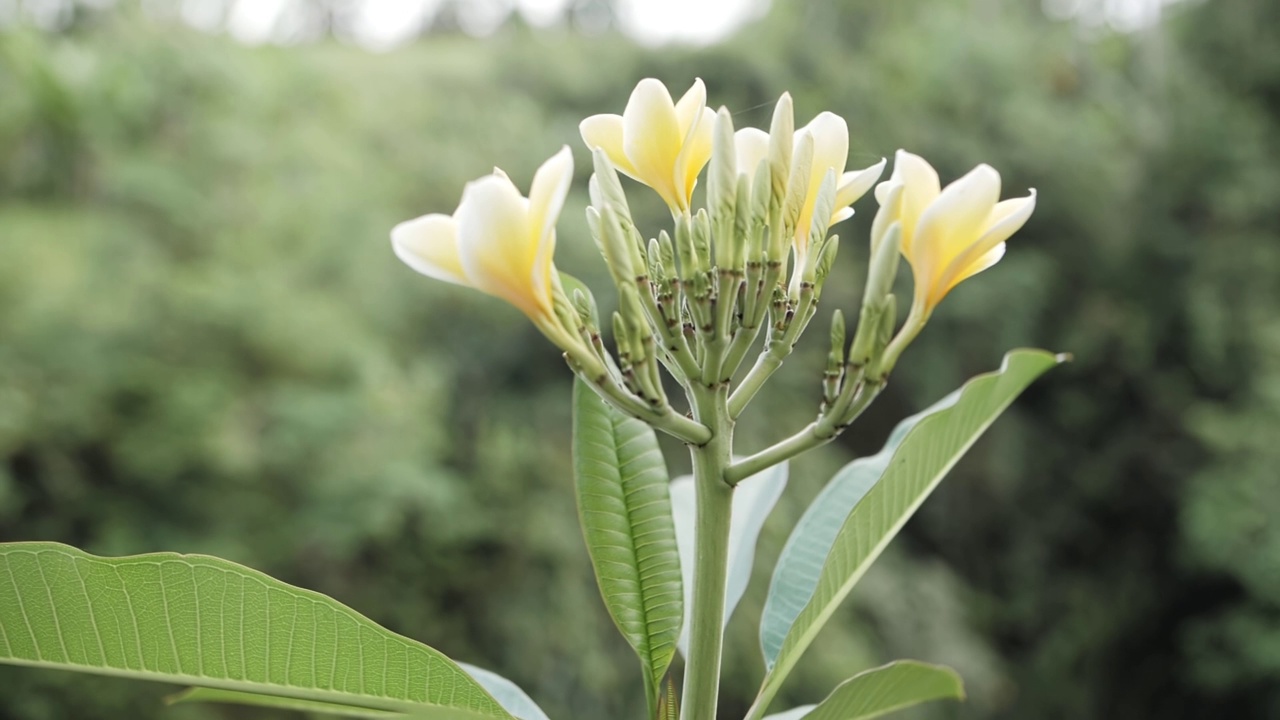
(206, 344)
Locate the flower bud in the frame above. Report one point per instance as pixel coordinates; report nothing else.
(781, 141)
(883, 269)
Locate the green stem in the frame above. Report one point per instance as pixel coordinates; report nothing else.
(819, 432)
(711, 556)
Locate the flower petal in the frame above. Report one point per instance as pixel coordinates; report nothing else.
(830, 146)
(546, 199)
(920, 186)
(955, 220)
(549, 189)
(889, 195)
(751, 145)
(1006, 218)
(495, 242)
(689, 107)
(651, 137)
(429, 244)
(855, 183)
(830, 136)
(605, 132)
(695, 153)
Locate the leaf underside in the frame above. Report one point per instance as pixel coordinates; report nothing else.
(927, 452)
(625, 508)
(202, 621)
(887, 689)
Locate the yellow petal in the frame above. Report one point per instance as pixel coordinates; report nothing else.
(689, 107)
(429, 244)
(651, 138)
(830, 146)
(855, 183)
(920, 186)
(1005, 219)
(547, 192)
(494, 241)
(546, 199)
(841, 215)
(953, 223)
(605, 132)
(751, 146)
(695, 153)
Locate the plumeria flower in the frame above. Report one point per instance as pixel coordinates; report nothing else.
(661, 143)
(830, 136)
(948, 234)
(498, 241)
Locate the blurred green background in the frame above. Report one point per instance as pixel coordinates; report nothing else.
(206, 344)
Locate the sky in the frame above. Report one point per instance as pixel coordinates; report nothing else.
(386, 24)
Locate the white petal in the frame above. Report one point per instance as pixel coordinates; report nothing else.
(830, 146)
(429, 244)
(695, 153)
(920, 186)
(494, 240)
(549, 189)
(690, 106)
(751, 145)
(605, 132)
(546, 199)
(855, 183)
(841, 215)
(956, 219)
(1007, 217)
(651, 136)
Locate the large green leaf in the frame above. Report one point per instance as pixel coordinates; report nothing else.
(800, 563)
(508, 694)
(198, 620)
(926, 454)
(625, 508)
(753, 500)
(232, 697)
(887, 689)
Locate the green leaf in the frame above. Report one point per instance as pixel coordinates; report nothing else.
(231, 697)
(796, 574)
(926, 454)
(508, 694)
(792, 714)
(198, 620)
(753, 500)
(625, 508)
(886, 689)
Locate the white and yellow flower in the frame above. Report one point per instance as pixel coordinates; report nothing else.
(830, 152)
(661, 143)
(830, 135)
(497, 241)
(951, 234)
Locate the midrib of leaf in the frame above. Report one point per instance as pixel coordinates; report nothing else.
(617, 425)
(630, 537)
(77, 612)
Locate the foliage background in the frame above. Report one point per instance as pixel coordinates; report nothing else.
(206, 345)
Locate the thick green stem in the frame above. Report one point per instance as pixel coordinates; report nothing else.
(711, 556)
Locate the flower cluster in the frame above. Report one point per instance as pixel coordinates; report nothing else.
(694, 300)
